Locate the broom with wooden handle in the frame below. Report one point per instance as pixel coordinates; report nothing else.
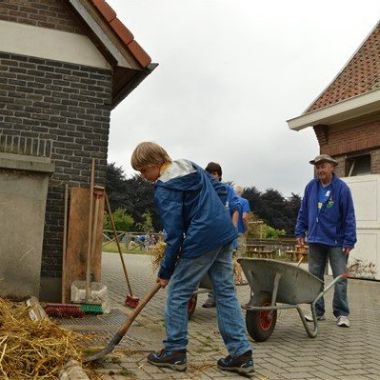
(90, 230)
(124, 327)
(131, 300)
(158, 255)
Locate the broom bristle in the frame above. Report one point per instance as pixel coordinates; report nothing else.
(63, 311)
(91, 308)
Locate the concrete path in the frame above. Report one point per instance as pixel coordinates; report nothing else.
(336, 353)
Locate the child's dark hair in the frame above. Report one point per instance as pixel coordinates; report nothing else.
(214, 167)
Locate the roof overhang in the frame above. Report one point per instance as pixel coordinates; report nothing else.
(348, 109)
(130, 63)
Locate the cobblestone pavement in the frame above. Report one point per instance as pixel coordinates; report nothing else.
(336, 353)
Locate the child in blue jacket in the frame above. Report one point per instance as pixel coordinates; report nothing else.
(231, 202)
(199, 242)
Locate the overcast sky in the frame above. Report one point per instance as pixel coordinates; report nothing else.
(231, 72)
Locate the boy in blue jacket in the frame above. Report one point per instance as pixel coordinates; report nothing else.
(327, 216)
(199, 236)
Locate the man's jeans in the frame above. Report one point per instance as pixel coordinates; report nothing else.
(318, 256)
(184, 282)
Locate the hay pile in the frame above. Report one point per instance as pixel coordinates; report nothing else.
(33, 349)
(158, 252)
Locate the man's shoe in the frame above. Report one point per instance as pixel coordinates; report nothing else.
(309, 318)
(174, 360)
(242, 364)
(343, 321)
(209, 304)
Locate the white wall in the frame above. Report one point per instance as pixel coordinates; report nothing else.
(50, 44)
(366, 255)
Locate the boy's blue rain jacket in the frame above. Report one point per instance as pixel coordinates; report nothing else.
(332, 225)
(192, 214)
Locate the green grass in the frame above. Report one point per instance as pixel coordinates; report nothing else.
(112, 248)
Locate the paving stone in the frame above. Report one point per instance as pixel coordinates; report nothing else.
(289, 354)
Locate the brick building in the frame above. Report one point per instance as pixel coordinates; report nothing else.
(64, 65)
(346, 120)
(346, 116)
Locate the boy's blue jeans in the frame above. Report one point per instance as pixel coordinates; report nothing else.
(184, 282)
(318, 256)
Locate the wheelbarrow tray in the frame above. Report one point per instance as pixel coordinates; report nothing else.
(297, 286)
(279, 285)
(206, 283)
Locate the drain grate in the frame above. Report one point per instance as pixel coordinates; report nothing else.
(101, 328)
(106, 322)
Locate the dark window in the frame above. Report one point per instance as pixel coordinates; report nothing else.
(359, 165)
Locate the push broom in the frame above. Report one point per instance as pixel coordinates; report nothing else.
(131, 300)
(158, 254)
(124, 327)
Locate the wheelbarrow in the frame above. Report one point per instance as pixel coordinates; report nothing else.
(205, 286)
(277, 285)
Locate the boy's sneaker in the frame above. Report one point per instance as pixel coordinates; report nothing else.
(174, 360)
(242, 364)
(309, 317)
(343, 321)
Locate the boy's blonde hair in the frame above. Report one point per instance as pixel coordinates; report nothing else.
(148, 154)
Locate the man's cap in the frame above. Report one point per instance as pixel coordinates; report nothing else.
(323, 158)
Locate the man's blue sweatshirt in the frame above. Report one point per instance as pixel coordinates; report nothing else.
(334, 223)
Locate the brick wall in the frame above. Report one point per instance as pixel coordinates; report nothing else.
(53, 14)
(343, 141)
(341, 169)
(69, 104)
(375, 161)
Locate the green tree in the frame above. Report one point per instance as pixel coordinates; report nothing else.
(134, 195)
(148, 222)
(122, 220)
(115, 186)
(274, 209)
(272, 233)
(258, 229)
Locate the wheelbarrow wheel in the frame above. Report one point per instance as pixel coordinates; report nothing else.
(191, 305)
(260, 323)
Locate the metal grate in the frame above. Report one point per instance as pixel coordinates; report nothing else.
(108, 321)
(30, 146)
(101, 328)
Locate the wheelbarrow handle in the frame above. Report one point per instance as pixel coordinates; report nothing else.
(312, 332)
(330, 285)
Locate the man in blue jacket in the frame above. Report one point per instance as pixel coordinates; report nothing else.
(327, 218)
(199, 236)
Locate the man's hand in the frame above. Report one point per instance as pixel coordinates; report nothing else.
(300, 241)
(162, 282)
(346, 250)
